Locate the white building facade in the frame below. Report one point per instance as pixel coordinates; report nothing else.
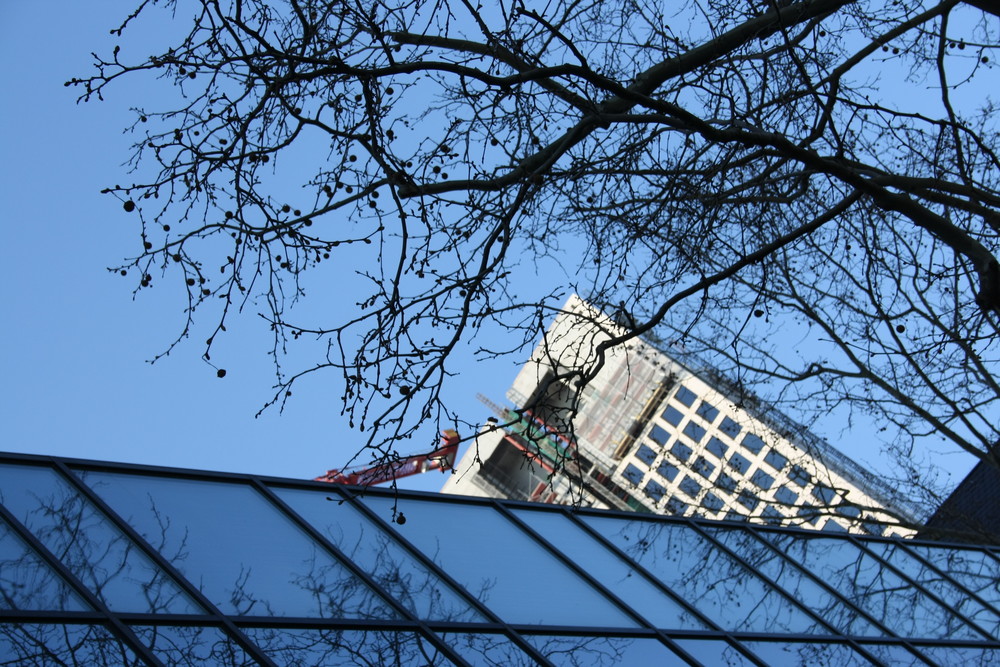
(652, 433)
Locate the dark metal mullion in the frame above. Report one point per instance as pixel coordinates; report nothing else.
(352, 499)
(587, 577)
(353, 567)
(221, 619)
(948, 577)
(755, 534)
(108, 619)
(930, 594)
(649, 576)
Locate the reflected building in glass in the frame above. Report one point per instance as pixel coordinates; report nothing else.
(659, 432)
(108, 564)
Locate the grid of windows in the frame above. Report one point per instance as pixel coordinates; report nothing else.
(108, 564)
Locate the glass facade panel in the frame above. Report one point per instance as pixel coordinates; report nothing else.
(871, 586)
(654, 490)
(88, 544)
(487, 555)
(707, 412)
(717, 447)
(739, 463)
(695, 431)
(703, 467)
(378, 553)
(48, 644)
(645, 454)
(714, 652)
(690, 486)
(681, 451)
(487, 650)
(785, 496)
(246, 557)
(792, 579)
(974, 570)
(730, 428)
(658, 435)
(603, 651)
(668, 471)
(27, 582)
(293, 647)
(672, 415)
(632, 474)
(797, 654)
(962, 655)
(762, 480)
(753, 443)
(187, 645)
(799, 475)
(775, 460)
(617, 575)
(705, 576)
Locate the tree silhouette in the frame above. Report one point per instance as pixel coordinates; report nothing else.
(730, 178)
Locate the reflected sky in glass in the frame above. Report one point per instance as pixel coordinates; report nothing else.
(44, 644)
(193, 646)
(362, 648)
(500, 565)
(244, 555)
(27, 582)
(604, 651)
(88, 544)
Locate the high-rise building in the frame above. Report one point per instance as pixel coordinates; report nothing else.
(107, 565)
(654, 430)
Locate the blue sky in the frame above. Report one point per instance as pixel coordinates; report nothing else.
(76, 345)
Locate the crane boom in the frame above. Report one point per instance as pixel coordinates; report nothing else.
(442, 458)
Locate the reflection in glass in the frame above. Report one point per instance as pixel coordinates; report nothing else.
(975, 570)
(714, 652)
(806, 655)
(88, 544)
(378, 554)
(867, 583)
(487, 650)
(615, 574)
(894, 654)
(246, 557)
(604, 651)
(364, 648)
(944, 589)
(500, 565)
(187, 646)
(960, 655)
(697, 571)
(26, 582)
(807, 592)
(45, 645)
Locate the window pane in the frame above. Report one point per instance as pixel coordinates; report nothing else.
(672, 415)
(762, 480)
(703, 467)
(43, 644)
(604, 651)
(714, 652)
(685, 396)
(792, 579)
(27, 583)
(730, 428)
(192, 646)
(632, 474)
(667, 470)
(806, 655)
(486, 554)
(973, 569)
(707, 412)
(695, 431)
(717, 447)
(950, 594)
(88, 544)
(753, 443)
(799, 475)
(738, 463)
(681, 451)
(776, 460)
(785, 496)
(487, 650)
(654, 490)
(393, 567)
(617, 575)
(721, 588)
(961, 655)
(689, 486)
(246, 557)
(871, 586)
(645, 454)
(658, 435)
(291, 647)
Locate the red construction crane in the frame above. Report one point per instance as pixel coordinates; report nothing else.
(442, 458)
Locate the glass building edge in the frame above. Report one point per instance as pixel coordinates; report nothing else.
(114, 620)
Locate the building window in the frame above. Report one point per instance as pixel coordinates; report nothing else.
(703, 467)
(675, 506)
(712, 502)
(672, 415)
(681, 451)
(695, 431)
(753, 443)
(785, 496)
(739, 464)
(849, 511)
(707, 412)
(632, 474)
(717, 447)
(730, 428)
(725, 482)
(658, 435)
(748, 499)
(832, 526)
(654, 490)
(668, 471)
(799, 475)
(686, 396)
(772, 516)
(762, 480)
(809, 514)
(689, 486)
(824, 494)
(645, 454)
(775, 460)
